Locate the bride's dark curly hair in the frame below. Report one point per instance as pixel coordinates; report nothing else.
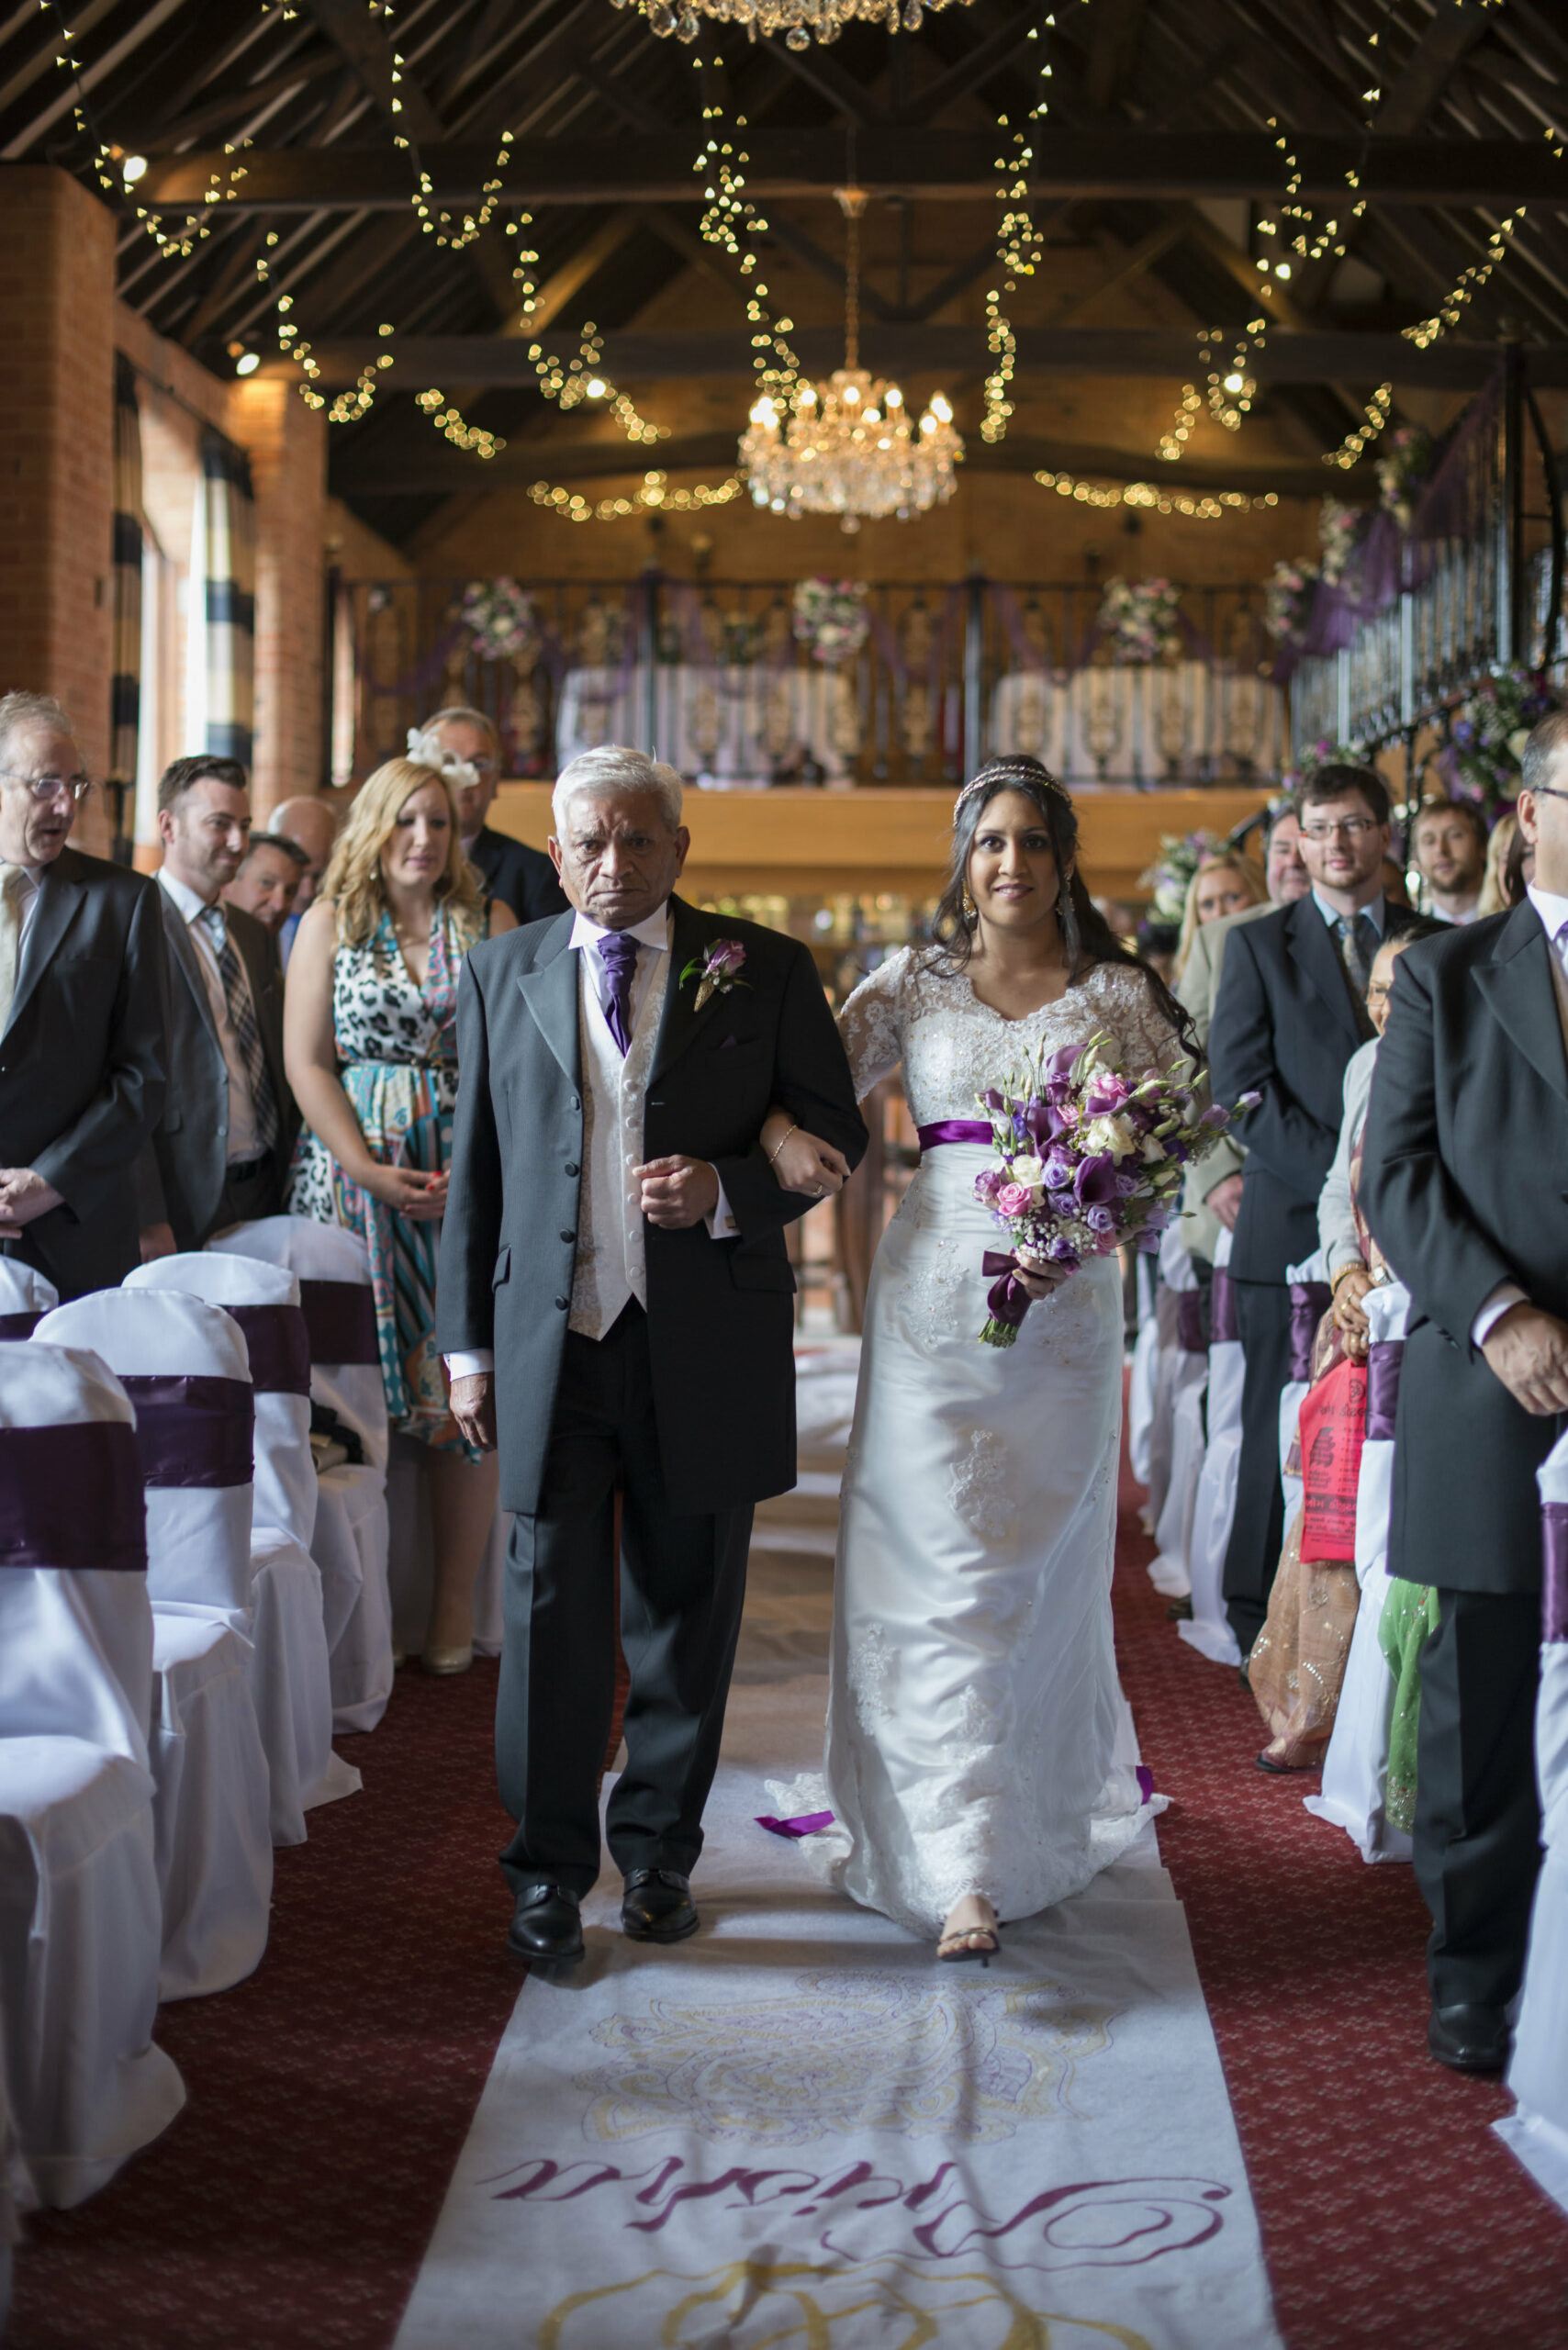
(1086, 935)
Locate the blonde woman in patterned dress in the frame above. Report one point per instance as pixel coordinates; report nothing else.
(370, 1044)
(974, 1702)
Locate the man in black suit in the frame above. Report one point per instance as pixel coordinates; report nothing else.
(615, 1299)
(82, 988)
(1291, 1010)
(220, 1152)
(1464, 1167)
(467, 747)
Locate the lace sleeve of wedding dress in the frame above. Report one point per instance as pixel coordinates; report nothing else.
(1142, 1031)
(872, 1024)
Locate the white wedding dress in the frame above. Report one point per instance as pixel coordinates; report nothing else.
(974, 1708)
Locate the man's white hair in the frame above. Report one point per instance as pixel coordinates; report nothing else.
(19, 710)
(614, 768)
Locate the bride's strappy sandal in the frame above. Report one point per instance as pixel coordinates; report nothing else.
(989, 1937)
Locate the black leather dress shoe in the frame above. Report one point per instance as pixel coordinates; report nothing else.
(546, 1924)
(657, 1907)
(1469, 2038)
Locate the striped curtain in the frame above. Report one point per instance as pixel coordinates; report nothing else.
(125, 686)
(229, 519)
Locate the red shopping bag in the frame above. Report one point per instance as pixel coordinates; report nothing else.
(1333, 1430)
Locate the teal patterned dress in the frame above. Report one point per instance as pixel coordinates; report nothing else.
(398, 1063)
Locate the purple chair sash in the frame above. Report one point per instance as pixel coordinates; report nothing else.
(1383, 1360)
(279, 1340)
(1224, 1329)
(340, 1319)
(1555, 1564)
(72, 1498)
(1190, 1322)
(194, 1432)
(1309, 1304)
(19, 1326)
(953, 1130)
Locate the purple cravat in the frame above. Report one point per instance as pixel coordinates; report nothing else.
(617, 950)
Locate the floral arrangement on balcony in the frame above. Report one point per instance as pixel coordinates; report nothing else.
(1491, 727)
(1409, 455)
(1327, 752)
(1338, 528)
(1170, 876)
(1142, 618)
(832, 618)
(1287, 599)
(503, 620)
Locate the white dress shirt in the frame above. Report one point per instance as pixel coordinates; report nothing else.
(1554, 912)
(244, 1142)
(26, 891)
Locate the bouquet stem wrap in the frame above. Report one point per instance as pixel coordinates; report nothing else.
(1008, 1299)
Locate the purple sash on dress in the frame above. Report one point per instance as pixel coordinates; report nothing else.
(1383, 1359)
(1223, 1327)
(953, 1130)
(278, 1339)
(193, 1432)
(340, 1319)
(19, 1326)
(1555, 1564)
(72, 1498)
(1190, 1322)
(1309, 1304)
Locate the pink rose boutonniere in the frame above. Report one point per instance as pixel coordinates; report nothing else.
(717, 971)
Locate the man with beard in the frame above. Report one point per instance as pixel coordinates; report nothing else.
(1448, 846)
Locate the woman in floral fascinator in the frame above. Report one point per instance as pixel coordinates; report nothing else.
(977, 1765)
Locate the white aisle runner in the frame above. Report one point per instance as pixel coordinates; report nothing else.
(798, 2129)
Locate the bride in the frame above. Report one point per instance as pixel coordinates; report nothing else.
(974, 1703)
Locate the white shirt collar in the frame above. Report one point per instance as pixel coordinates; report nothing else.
(652, 932)
(1375, 913)
(184, 896)
(1554, 911)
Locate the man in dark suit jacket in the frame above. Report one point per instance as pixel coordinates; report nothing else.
(1291, 1010)
(467, 747)
(81, 987)
(220, 1153)
(615, 1299)
(1464, 1175)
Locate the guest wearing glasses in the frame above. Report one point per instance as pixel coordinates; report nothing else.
(466, 745)
(1291, 1012)
(82, 988)
(221, 1149)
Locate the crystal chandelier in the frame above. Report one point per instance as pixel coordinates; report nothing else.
(795, 19)
(849, 447)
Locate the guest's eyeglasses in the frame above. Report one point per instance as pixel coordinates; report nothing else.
(1353, 828)
(1547, 791)
(52, 787)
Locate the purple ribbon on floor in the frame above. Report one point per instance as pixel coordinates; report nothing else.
(72, 1498)
(1007, 1298)
(340, 1319)
(1309, 1304)
(1190, 1322)
(1554, 1575)
(1223, 1327)
(278, 1339)
(19, 1326)
(952, 1130)
(806, 1824)
(1383, 1360)
(193, 1432)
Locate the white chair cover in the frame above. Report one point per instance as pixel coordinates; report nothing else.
(1171, 1568)
(1293, 1394)
(212, 1813)
(80, 1918)
(1214, 1507)
(1146, 1355)
(25, 1297)
(351, 1536)
(258, 1296)
(1175, 1367)
(1538, 2072)
(1355, 1767)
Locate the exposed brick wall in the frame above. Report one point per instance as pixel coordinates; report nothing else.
(56, 453)
(287, 445)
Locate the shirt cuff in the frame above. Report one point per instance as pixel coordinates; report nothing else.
(467, 1366)
(1506, 1294)
(722, 1225)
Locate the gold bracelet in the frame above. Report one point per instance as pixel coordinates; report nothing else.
(1356, 1266)
(782, 1140)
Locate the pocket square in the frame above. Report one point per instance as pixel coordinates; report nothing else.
(727, 1043)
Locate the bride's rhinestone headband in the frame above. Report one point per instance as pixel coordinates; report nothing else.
(1005, 771)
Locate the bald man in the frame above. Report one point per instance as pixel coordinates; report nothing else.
(312, 826)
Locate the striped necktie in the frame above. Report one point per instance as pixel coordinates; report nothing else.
(243, 1020)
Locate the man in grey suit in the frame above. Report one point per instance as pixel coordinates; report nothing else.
(616, 1301)
(220, 1151)
(81, 987)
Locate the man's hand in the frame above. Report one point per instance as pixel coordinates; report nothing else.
(158, 1240)
(1529, 1352)
(23, 1195)
(1225, 1201)
(677, 1192)
(474, 1408)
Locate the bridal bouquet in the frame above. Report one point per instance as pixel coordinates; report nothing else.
(1088, 1158)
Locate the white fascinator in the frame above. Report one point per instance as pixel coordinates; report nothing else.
(461, 773)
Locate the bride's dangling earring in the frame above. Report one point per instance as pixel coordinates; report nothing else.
(971, 911)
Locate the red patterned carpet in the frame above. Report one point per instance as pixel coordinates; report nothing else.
(291, 2202)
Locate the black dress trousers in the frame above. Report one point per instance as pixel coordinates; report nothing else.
(1477, 1826)
(682, 1587)
(1258, 1530)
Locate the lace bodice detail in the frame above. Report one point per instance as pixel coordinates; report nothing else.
(952, 1046)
